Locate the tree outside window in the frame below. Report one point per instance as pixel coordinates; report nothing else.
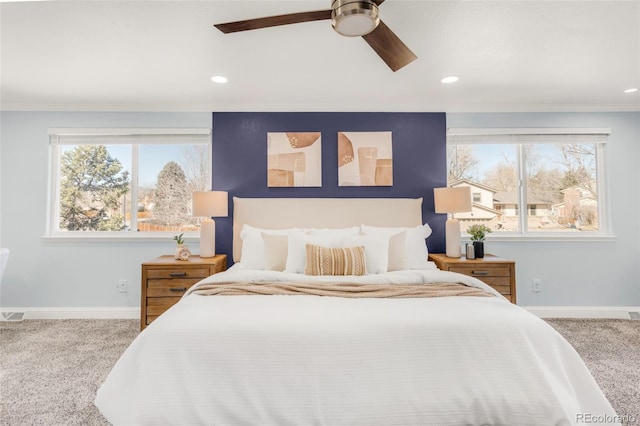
(91, 187)
(172, 198)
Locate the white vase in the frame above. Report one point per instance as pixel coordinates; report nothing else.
(182, 252)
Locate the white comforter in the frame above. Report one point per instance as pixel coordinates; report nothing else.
(309, 360)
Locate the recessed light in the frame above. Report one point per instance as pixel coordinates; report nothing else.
(450, 79)
(219, 79)
(632, 90)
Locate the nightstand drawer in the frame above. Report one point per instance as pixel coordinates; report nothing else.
(496, 281)
(504, 290)
(169, 288)
(481, 271)
(157, 306)
(178, 273)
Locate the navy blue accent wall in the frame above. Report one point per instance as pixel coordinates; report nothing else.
(240, 159)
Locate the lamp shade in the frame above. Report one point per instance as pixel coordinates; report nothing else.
(452, 200)
(207, 204)
(210, 204)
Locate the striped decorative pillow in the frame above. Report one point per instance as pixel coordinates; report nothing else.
(335, 261)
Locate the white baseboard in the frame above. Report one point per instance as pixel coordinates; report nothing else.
(77, 313)
(620, 312)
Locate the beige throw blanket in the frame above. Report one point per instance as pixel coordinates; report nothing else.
(345, 289)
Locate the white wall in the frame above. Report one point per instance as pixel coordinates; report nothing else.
(70, 274)
(605, 273)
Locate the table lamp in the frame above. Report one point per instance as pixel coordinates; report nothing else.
(208, 204)
(452, 200)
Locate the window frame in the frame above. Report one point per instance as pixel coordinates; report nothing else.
(526, 136)
(135, 137)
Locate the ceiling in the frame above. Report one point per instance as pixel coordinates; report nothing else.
(160, 56)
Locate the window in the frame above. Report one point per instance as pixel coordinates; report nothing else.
(126, 181)
(477, 197)
(553, 176)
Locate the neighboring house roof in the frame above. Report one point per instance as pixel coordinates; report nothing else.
(472, 183)
(511, 197)
(485, 208)
(582, 202)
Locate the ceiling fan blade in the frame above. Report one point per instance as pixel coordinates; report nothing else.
(378, 2)
(273, 21)
(389, 47)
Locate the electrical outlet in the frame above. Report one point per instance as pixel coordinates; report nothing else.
(537, 285)
(122, 285)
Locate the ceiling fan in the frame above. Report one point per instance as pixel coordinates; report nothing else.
(349, 18)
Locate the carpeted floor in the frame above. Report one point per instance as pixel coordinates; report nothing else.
(51, 369)
(611, 350)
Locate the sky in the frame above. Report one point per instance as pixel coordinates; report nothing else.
(489, 156)
(548, 156)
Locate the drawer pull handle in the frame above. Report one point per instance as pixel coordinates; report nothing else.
(178, 274)
(480, 272)
(177, 289)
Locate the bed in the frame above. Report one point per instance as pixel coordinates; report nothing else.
(266, 343)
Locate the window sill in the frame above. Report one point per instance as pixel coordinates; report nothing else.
(543, 237)
(95, 238)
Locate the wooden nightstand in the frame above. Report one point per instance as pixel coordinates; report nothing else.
(497, 272)
(165, 280)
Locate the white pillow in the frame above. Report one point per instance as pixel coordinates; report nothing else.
(253, 251)
(415, 247)
(275, 251)
(376, 251)
(398, 260)
(296, 251)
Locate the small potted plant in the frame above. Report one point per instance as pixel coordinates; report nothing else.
(182, 252)
(478, 233)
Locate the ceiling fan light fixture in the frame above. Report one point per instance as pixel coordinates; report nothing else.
(354, 18)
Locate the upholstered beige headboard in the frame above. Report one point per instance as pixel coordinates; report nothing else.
(280, 213)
